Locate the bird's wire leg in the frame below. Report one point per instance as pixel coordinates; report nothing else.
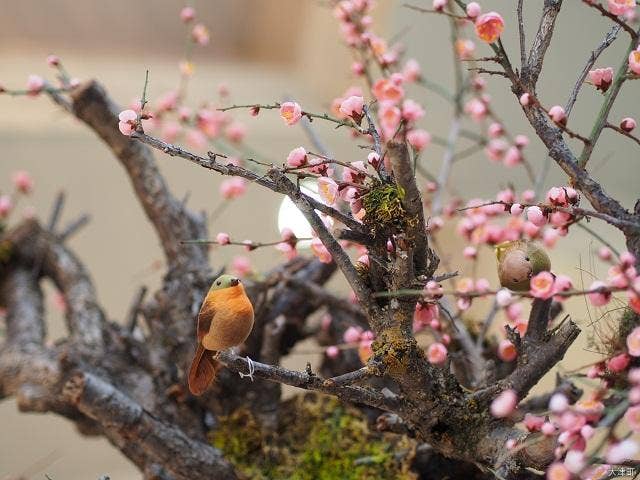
(252, 369)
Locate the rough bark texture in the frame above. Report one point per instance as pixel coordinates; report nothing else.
(114, 380)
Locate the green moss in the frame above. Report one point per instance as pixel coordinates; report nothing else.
(383, 207)
(318, 438)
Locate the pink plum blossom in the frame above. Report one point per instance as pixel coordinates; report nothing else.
(558, 403)
(386, 90)
(618, 363)
(634, 62)
(328, 190)
(353, 107)
(543, 285)
(233, 188)
(291, 112)
(633, 342)
(200, 34)
(320, 251)
(437, 353)
(622, 451)
(236, 131)
(352, 334)
(297, 157)
(419, 138)
(558, 471)
(601, 78)
(128, 119)
(489, 26)
(411, 70)
(535, 216)
(621, 7)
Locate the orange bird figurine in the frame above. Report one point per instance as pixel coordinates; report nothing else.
(225, 320)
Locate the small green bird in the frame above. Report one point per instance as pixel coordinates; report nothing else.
(225, 320)
(518, 261)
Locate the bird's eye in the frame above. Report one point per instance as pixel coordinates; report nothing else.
(218, 282)
(526, 259)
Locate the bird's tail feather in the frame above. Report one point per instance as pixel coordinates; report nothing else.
(203, 371)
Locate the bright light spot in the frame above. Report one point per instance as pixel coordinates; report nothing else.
(290, 217)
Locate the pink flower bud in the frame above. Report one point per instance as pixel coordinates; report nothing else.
(23, 181)
(618, 363)
(504, 404)
(558, 403)
(599, 298)
(233, 188)
(504, 297)
(53, 60)
(473, 9)
(353, 107)
(223, 238)
(535, 216)
(419, 139)
(516, 209)
(352, 334)
(470, 252)
(332, 351)
(35, 84)
(628, 124)
(297, 157)
(200, 34)
(557, 114)
(5, 205)
(507, 351)
(525, 99)
(187, 14)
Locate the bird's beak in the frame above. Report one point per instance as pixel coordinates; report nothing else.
(234, 282)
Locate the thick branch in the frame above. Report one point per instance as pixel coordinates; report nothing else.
(125, 420)
(37, 248)
(424, 260)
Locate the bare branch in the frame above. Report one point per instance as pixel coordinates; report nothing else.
(531, 71)
(229, 169)
(168, 215)
(307, 381)
(593, 56)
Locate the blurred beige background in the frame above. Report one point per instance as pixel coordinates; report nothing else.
(264, 50)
